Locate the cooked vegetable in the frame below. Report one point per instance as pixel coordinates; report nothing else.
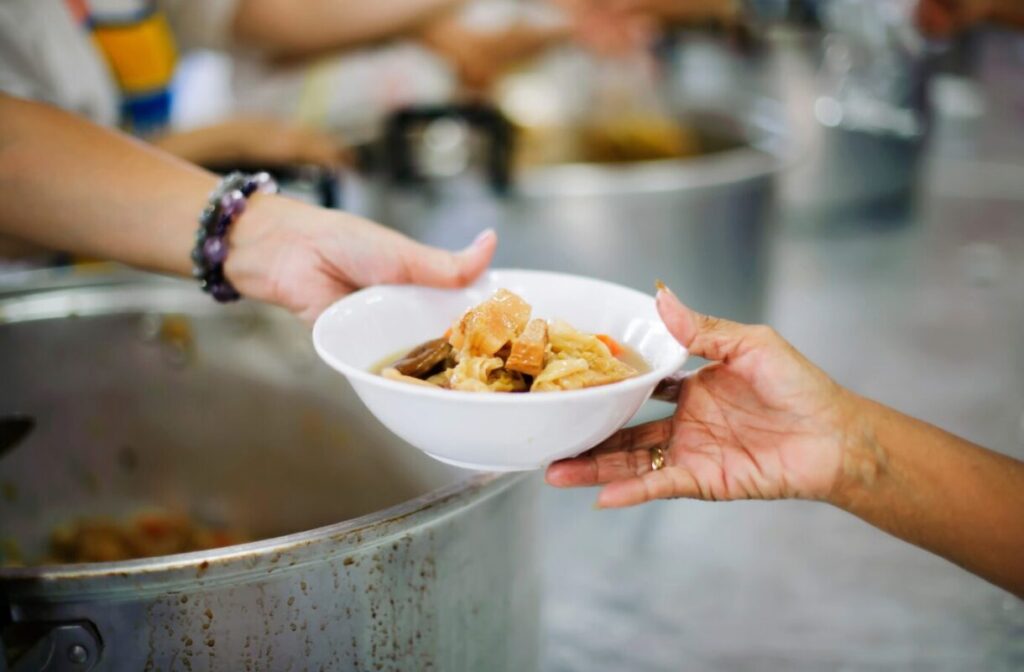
(612, 344)
(145, 535)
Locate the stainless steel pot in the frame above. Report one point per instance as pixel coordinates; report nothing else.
(370, 555)
(698, 223)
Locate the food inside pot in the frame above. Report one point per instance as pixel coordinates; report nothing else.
(634, 138)
(496, 347)
(144, 535)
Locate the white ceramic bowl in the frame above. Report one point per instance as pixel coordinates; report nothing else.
(495, 432)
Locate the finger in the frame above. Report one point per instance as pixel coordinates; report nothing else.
(624, 455)
(705, 336)
(439, 268)
(672, 481)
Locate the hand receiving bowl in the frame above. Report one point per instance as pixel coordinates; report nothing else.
(495, 431)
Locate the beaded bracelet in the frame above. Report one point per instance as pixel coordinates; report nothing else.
(226, 204)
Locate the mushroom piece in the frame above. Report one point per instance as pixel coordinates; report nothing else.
(422, 360)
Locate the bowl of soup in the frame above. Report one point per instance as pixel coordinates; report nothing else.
(512, 373)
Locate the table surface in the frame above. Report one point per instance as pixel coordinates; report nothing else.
(922, 310)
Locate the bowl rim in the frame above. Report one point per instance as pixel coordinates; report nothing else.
(651, 378)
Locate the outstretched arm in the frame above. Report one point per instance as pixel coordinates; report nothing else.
(296, 29)
(762, 422)
(69, 185)
(937, 491)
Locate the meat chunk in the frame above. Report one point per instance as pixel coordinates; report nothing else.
(485, 329)
(527, 354)
(424, 359)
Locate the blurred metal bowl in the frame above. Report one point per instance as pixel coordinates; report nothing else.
(698, 223)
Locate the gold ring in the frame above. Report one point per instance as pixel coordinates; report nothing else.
(657, 458)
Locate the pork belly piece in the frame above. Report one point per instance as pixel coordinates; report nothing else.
(485, 329)
(527, 354)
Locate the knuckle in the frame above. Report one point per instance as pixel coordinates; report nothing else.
(633, 465)
(764, 333)
(711, 323)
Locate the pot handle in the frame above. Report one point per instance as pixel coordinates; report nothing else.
(66, 647)
(485, 118)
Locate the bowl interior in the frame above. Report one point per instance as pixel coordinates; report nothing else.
(360, 331)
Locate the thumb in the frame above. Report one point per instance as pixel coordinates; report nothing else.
(709, 337)
(439, 268)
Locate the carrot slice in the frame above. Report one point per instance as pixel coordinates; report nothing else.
(613, 345)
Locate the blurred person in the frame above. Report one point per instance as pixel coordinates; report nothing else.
(68, 184)
(114, 61)
(461, 49)
(481, 50)
(762, 422)
(623, 26)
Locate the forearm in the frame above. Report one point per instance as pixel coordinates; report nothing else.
(201, 146)
(289, 29)
(1009, 12)
(69, 185)
(937, 491)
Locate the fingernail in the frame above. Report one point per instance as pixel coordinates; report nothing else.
(482, 237)
(663, 290)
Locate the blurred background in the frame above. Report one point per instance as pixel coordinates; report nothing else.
(849, 171)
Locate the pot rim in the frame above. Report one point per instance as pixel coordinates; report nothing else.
(720, 169)
(768, 150)
(360, 528)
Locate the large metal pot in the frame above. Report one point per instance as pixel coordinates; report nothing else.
(698, 223)
(369, 555)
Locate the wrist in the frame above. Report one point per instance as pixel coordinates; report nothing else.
(228, 201)
(863, 464)
(260, 231)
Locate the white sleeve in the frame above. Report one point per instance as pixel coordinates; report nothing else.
(201, 24)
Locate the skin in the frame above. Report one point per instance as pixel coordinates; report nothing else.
(762, 422)
(674, 11)
(616, 27)
(252, 141)
(607, 27)
(480, 57)
(67, 184)
(946, 18)
(285, 29)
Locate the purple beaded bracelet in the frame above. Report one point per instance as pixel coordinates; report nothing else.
(226, 204)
